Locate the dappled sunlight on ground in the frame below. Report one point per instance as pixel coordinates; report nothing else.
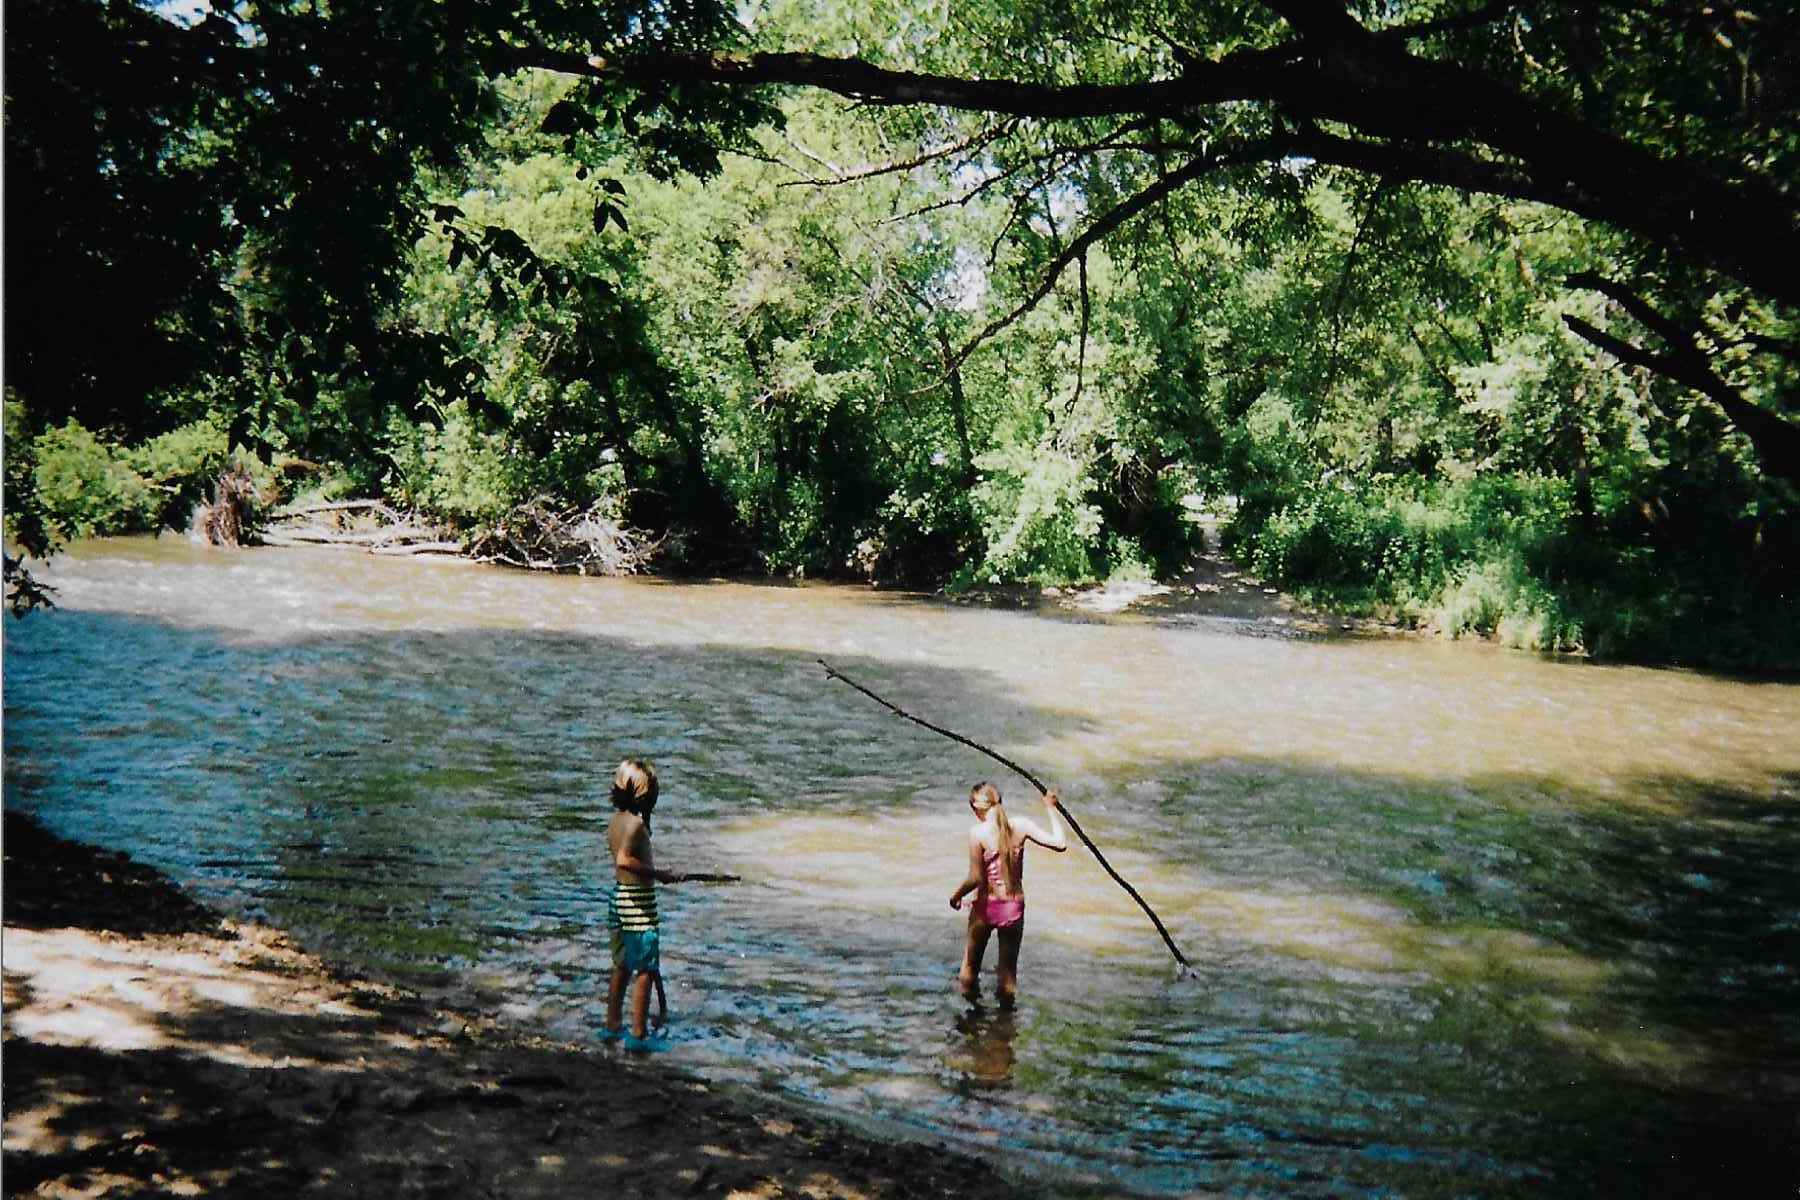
(110, 992)
(229, 1062)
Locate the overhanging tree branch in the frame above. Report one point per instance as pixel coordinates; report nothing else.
(1049, 159)
(1475, 19)
(973, 142)
(1109, 221)
(1676, 333)
(1081, 355)
(1343, 286)
(1314, 21)
(1777, 441)
(1437, 122)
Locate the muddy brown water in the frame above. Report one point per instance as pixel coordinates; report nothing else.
(1465, 922)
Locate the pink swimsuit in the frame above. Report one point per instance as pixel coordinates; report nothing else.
(999, 911)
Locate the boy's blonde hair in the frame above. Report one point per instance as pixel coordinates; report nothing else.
(634, 786)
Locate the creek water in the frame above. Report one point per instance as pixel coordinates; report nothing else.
(1464, 922)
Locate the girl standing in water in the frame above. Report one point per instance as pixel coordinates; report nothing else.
(997, 876)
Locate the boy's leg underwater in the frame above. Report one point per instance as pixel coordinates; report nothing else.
(640, 1004)
(615, 999)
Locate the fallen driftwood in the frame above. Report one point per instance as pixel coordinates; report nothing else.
(371, 525)
(537, 537)
(419, 548)
(230, 518)
(333, 537)
(324, 506)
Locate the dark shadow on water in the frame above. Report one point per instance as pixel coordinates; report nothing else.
(1689, 906)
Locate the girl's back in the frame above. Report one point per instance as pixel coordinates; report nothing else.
(1002, 855)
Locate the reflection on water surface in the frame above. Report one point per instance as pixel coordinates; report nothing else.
(1466, 922)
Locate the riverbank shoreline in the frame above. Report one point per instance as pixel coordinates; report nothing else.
(1213, 595)
(155, 1048)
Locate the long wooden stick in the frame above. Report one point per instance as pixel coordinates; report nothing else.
(1037, 783)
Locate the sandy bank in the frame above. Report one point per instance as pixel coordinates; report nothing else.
(154, 1049)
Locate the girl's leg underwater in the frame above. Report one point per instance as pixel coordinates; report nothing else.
(1010, 939)
(968, 979)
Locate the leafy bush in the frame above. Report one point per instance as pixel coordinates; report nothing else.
(1035, 517)
(1128, 562)
(917, 539)
(180, 466)
(1498, 597)
(1515, 559)
(1469, 557)
(453, 470)
(27, 525)
(87, 487)
(798, 525)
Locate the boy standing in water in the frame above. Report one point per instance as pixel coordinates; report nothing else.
(636, 943)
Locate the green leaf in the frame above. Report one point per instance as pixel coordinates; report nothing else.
(565, 119)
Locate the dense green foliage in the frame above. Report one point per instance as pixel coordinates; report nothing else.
(84, 486)
(724, 316)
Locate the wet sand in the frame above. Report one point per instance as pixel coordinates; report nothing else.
(153, 1048)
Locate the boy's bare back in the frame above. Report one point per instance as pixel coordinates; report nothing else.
(628, 832)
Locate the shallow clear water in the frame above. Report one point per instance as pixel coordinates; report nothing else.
(1465, 922)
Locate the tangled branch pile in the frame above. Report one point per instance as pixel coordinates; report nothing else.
(539, 538)
(230, 518)
(370, 524)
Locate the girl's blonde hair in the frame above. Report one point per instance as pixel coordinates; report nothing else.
(986, 798)
(634, 786)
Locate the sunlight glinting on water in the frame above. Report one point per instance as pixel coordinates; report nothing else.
(1139, 694)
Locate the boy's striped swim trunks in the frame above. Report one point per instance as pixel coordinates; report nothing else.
(636, 943)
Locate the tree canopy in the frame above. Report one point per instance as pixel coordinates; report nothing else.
(1003, 293)
(1673, 124)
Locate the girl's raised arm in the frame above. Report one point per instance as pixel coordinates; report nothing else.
(1057, 839)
